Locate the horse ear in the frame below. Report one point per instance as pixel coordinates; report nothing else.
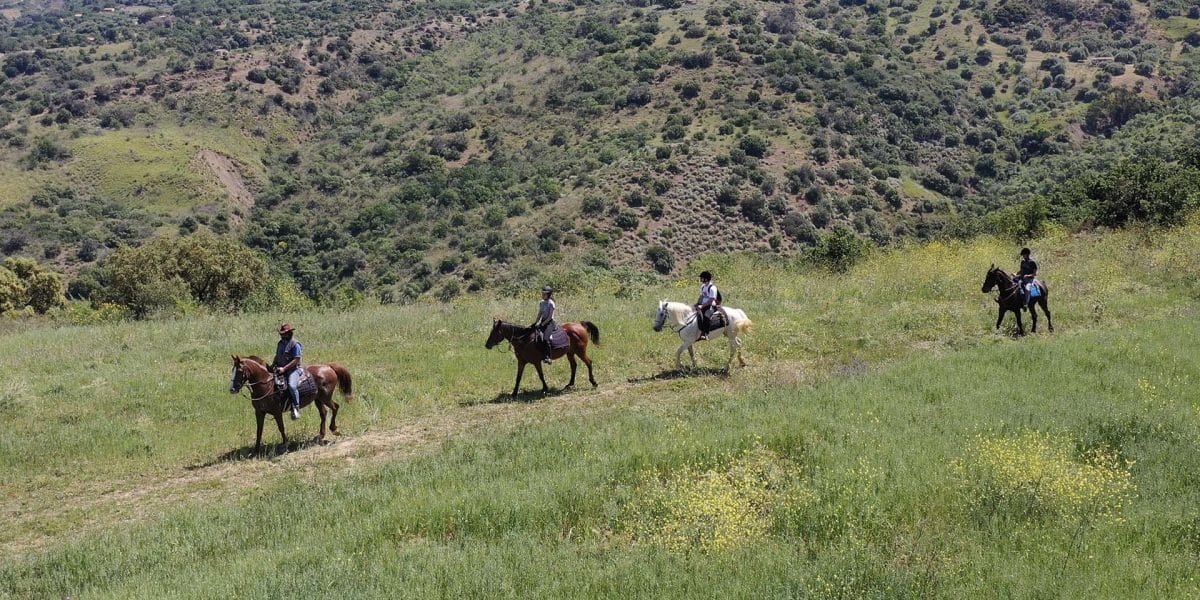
(993, 267)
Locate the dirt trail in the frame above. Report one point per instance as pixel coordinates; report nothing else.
(223, 479)
(231, 179)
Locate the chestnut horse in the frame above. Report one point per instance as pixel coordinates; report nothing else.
(252, 372)
(1011, 298)
(528, 351)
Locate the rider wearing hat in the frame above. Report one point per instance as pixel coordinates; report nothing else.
(706, 303)
(1026, 274)
(544, 324)
(287, 363)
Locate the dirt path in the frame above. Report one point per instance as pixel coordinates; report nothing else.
(231, 179)
(224, 479)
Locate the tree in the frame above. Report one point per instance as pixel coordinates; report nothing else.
(1113, 110)
(24, 282)
(209, 270)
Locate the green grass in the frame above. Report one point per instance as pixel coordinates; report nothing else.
(158, 168)
(871, 384)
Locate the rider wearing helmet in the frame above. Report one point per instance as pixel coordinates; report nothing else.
(287, 363)
(1025, 275)
(706, 303)
(544, 325)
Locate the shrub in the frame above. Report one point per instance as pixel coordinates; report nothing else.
(203, 268)
(661, 259)
(800, 228)
(840, 249)
(754, 145)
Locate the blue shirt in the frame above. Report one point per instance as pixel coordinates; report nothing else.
(286, 351)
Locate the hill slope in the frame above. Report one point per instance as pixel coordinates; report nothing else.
(407, 149)
(849, 459)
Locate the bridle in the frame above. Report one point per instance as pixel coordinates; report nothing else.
(249, 385)
(1001, 296)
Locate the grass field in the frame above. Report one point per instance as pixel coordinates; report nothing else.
(883, 443)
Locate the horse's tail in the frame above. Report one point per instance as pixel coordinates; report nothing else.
(344, 381)
(593, 331)
(743, 325)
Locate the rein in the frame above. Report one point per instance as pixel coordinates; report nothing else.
(248, 386)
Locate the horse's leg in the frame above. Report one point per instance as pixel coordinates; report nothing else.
(732, 351)
(1000, 317)
(678, 353)
(1020, 324)
(538, 366)
(588, 361)
(1046, 309)
(520, 371)
(574, 365)
(279, 422)
(692, 355)
(321, 409)
(334, 406)
(1033, 317)
(261, 416)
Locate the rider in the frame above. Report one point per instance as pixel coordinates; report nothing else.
(1025, 275)
(706, 303)
(287, 363)
(544, 325)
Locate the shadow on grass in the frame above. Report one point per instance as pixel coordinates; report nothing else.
(524, 396)
(669, 374)
(246, 452)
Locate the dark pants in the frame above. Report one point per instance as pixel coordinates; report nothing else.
(544, 335)
(702, 318)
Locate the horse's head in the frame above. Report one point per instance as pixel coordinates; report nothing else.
(497, 334)
(992, 279)
(661, 317)
(238, 378)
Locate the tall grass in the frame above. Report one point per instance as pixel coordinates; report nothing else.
(868, 387)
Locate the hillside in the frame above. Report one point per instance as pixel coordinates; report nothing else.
(882, 443)
(398, 150)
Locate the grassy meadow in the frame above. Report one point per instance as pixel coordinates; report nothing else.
(883, 442)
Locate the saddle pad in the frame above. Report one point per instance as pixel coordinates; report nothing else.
(559, 339)
(308, 385)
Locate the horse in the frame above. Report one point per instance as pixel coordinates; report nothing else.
(252, 372)
(1011, 298)
(527, 351)
(683, 318)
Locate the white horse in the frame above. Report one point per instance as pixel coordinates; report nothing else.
(683, 319)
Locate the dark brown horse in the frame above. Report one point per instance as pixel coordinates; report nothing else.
(1011, 299)
(252, 372)
(528, 351)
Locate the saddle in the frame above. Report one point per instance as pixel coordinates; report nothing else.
(307, 387)
(716, 321)
(554, 336)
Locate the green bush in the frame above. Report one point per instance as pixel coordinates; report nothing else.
(211, 271)
(661, 259)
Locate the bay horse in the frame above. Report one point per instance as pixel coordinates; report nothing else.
(252, 372)
(683, 319)
(1011, 299)
(528, 351)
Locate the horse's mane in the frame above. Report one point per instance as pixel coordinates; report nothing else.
(256, 359)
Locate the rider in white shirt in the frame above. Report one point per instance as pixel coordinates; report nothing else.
(706, 303)
(545, 321)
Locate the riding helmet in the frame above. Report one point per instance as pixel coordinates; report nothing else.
(547, 290)
(706, 276)
(1024, 251)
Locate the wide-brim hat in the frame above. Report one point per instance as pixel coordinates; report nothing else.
(286, 328)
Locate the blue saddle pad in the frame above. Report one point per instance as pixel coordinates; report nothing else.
(1035, 291)
(559, 339)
